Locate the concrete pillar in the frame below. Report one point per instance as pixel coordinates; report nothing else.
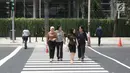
(46, 16)
(40, 8)
(34, 8)
(69, 8)
(24, 11)
(74, 8)
(78, 6)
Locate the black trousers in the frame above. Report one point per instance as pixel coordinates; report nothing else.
(59, 46)
(99, 41)
(52, 45)
(81, 51)
(25, 39)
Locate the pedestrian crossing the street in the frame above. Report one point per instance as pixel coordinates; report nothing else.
(39, 63)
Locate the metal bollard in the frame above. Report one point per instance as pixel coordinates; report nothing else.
(36, 38)
(30, 39)
(42, 37)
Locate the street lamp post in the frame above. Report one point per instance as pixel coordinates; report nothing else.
(89, 19)
(12, 7)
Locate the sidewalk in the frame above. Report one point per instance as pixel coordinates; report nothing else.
(110, 41)
(19, 41)
(105, 41)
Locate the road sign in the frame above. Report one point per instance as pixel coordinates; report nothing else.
(120, 6)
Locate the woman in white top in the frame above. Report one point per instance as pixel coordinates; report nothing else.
(59, 42)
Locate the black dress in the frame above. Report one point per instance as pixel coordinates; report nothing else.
(72, 43)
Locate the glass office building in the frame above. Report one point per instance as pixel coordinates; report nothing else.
(57, 8)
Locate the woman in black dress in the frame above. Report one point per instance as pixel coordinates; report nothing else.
(72, 44)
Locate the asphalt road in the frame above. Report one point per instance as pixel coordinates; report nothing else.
(4, 51)
(15, 64)
(121, 54)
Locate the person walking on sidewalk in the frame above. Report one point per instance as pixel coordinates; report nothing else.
(51, 40)
(72, 44)
(25, 36)
(59, 43)
(99, 34)
(82, 38)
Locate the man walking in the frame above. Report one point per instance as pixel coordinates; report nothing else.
(25, 36)
(99, 34)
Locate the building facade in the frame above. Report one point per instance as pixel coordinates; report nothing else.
(57, 8)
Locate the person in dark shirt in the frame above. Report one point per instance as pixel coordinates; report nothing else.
(72, 44)
(99, 34)
(82, 38)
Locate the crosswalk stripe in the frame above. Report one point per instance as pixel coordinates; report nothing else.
(46, 60)
(49, 66)
(61, 64)
(58, 61)
(63, 69)
(103, 71)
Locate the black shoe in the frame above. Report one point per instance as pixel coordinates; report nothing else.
(61, 59)
(82, 59)
(58, 59)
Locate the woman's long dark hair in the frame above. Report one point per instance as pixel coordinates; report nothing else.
(71, 30)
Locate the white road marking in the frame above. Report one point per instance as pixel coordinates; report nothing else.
(63, 69)
(103, 71)
(10, 55)
(45, 59)
(61, 63)
(49, 66)
(110, 58)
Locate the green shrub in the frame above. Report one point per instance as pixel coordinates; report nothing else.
(37, 26)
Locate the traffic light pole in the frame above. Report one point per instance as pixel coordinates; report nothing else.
(13, 31)
(89, 19)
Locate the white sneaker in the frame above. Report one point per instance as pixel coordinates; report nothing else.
(51, 60)
(79, 59)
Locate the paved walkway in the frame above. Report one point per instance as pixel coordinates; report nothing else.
(110, 41)
(106, 41)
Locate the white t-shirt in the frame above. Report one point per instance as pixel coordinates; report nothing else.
(26, 32)
(60, 36)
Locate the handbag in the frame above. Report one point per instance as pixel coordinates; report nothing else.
(47, 48)
(66, 48)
